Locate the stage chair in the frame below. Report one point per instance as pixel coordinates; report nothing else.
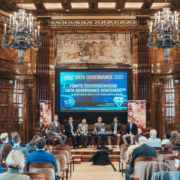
(138, 163)
(158, 148)
(123, 155)
(45, 168)
(35, 176)
(67, 155)
(54, 140)
(69, 149)
(170, 160)
(61, 155)
(174, 150)
(162, 154)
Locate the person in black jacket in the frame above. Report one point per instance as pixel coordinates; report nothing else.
(70, 131)
(142, 151)
(116, 129)
(131, 131)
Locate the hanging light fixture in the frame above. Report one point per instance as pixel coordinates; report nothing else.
(21, 29)
(166, 28)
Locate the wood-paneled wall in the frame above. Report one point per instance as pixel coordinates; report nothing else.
(35, 79)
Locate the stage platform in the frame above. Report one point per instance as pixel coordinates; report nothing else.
(85, 154)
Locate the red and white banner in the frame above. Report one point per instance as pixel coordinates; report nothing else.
(44, 117)
(137, 110)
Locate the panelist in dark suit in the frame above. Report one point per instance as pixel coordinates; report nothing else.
(55, 131)
(70, 131)
(131, 131)
(116, 129)
(142, 151)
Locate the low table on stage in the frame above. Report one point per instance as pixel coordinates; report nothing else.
(102, 139)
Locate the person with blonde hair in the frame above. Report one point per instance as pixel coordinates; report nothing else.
(31, 145)
(15, 163)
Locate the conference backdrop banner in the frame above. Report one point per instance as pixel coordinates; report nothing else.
(137, 110)
(44, 117)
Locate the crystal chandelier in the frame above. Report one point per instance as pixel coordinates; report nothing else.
(166, 28)
(21, 29)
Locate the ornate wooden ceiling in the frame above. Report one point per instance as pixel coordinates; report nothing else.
(92, 7)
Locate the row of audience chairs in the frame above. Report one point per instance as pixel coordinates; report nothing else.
(167, 157)
(64, 161)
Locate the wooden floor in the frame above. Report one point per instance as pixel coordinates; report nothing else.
(87, 171)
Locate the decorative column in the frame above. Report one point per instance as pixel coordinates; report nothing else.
(158, 111)
(30, 126)
(144, 70)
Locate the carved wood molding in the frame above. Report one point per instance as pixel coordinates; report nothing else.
(139, 33)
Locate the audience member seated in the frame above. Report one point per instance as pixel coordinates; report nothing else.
(97, 129)
(4, 138)
(70, 131)
(40, 155)
(83, 132)
(167, 135)
(174, 140)
(132, 147)
(16, 140)
(55, 131)
(142, 151)
(15, 163)
(31, 145)
(131, 131)
(4, 152)
(116, 129)
(153, 141)
(11, 142)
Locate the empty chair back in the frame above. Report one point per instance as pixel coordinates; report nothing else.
(66, 146)
(61, 155)
(122, 153)
(139, 163)
(65, 150)
(36, 176)
(58, 173)
(152, 167)
(174, 150)
(170, 160)
(45, 168)
(162, 154)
